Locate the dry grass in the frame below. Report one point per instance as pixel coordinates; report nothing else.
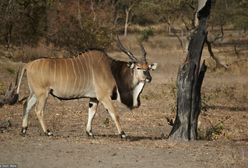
(223, 121)
(224, 92)
(29, 53)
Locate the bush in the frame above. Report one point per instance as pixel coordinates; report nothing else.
(74, 31)
(146, 33)
(22, 22)
(74, 38)
(211, 133)
(52, 22)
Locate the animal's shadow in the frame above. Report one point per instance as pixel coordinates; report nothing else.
(132, 138)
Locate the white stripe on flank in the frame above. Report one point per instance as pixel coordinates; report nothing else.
(87, 71)
(78, 84)
(83, 75)
(66, 82)
(75, 77)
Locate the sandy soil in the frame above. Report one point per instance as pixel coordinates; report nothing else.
(78, 151)
(223, 126)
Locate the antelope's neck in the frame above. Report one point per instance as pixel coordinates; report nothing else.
(128, 88)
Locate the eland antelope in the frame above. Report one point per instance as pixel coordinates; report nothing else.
(92, 74)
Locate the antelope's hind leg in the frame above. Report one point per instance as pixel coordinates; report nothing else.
(40, 106)
(29, 103)
(93, 103)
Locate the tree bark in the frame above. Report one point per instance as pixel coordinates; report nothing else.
(189, 80)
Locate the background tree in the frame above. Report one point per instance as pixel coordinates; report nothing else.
(66, 25)
(67, 30)
(23, 22)
(190, 78)
(125, 7)
(79, 24)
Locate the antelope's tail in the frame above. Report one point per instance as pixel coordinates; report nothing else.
(19, 79)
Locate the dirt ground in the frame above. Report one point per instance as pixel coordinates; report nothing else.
(223, 127)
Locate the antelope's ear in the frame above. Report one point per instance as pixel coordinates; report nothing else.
(153, 66)
(130, 65)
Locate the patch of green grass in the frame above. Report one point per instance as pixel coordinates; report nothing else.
(146, 34)
(211, 133)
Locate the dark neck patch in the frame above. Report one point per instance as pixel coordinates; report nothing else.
(124, 79)
(114, 94)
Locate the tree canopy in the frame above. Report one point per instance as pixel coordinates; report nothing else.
(81, 24)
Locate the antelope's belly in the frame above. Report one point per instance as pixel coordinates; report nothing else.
(72, 93)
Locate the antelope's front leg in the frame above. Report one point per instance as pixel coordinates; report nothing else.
(93, 103)
(107, 102)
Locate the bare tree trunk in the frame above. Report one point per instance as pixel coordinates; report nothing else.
(169, 26)
(79, 16)
(115, 13)
(127, 12)
(93, 10)
(9, 23)
(189, 80)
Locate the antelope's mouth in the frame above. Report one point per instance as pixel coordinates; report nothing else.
(148, 80)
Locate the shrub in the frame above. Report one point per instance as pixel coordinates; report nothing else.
(211, 133)
(146, 33)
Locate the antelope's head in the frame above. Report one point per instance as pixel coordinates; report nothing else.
(141, 68)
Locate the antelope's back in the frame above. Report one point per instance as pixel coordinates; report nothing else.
(71, 77)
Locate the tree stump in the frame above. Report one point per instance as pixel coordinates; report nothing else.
(189, 80)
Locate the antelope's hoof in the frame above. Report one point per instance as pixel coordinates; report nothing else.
(24, 131)
(123, 135)
(90, 134)
(48, 133)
